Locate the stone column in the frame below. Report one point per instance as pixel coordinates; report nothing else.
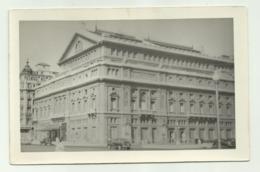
(177, 135)
(206, 134)
(138, 134)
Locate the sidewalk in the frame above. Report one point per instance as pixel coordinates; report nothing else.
(173, 146)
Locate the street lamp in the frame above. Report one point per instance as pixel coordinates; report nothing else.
(216, 78)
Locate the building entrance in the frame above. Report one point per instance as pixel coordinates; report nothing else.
(54, 134)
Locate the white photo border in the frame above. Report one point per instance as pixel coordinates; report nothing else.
(239, 15)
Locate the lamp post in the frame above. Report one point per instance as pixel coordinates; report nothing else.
(216, 77)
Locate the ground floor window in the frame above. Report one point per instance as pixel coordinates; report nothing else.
(229, 134)
(144, 135)
(192, 133)
(201, 133)
(223, 133)
(113, 132)
(211, 134)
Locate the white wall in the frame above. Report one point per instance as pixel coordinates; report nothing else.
(254, 28)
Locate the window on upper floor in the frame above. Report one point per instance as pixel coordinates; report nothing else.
(211, 110)
(72, 107)
(143, 100)
(220, 107)
(153, 104)
(171, 106)
(201, 107)
(182, 108)
(93, 102)
(192, 109)
(114, 101)
(113, 51)
(134, 104)
(228, 108)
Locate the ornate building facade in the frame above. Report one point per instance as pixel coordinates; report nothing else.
(148, 92)
(29, 79)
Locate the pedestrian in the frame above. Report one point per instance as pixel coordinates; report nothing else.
(183, 138)
(172, 138)
(59, 145)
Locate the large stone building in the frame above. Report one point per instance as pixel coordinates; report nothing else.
(29, 79)
(149, 92)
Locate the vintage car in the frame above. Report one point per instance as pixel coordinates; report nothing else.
(119, 144)
(225, 143)
(46, 141)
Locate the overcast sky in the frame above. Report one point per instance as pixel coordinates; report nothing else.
(45, 41)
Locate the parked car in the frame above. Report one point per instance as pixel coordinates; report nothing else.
(119, 144)
(46, 141)
(228, 143)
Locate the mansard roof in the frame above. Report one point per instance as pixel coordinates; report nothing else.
(99, 36)
(116, 35)
(175, 46)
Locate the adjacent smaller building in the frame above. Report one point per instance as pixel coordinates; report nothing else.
(29, 79)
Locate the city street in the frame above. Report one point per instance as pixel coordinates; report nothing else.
(51, 148)
(42, 148)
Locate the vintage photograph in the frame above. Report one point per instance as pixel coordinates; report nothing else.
(127, 85)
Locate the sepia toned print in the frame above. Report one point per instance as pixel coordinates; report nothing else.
(104, 88)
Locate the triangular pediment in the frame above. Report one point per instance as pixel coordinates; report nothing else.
(77, 44)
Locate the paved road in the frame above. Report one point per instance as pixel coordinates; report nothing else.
(41, 148)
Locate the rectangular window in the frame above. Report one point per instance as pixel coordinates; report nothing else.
(191, 108)
(143, 100)
(211, 134)
(211, 108)
(223, 134)
(201, 133)
(143, 104)
(228, 109)
(229, 134)
(171, 106)
(201, 108)
(114, 103)
(192, 133)
(144, 134)
(85, 105)
(134, 104)
(153, 104)
(113, 132)
(182, 109)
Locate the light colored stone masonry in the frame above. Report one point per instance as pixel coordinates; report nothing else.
(145, 96)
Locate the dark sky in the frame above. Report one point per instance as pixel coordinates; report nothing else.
(45, 41)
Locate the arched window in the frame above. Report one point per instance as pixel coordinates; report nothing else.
(93, 102)
(85, 104)
(114, 99)
(72, 107)
(153, 104)
(79, 107)
(228, 108)
(192, 106)
(220, 107)
(143, 100)
(201, 107)
(171, 106)
(211, 110)
(134, 103)
(182, 106)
